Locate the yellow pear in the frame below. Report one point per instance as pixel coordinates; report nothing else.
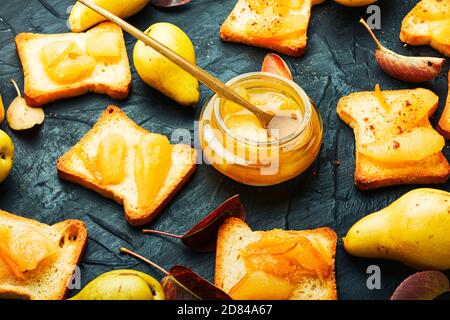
(82, 18)
(162, 74)
(414, 229)
(6, 155)
(122, 285)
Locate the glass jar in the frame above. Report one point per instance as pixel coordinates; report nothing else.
(261, 162)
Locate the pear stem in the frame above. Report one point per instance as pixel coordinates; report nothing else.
(364, 23)
(161, 233)
(17, 88)
(138, 256)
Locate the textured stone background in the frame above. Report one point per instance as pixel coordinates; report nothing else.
(339, 60)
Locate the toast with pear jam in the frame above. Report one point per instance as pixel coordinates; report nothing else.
(428, 23)
(394, 140)
(37, 261)
(280, 25)
(444, 122)
(58, 66)
(125, 162)
(276, 264)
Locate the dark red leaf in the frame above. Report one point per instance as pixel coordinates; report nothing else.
(169, 3)
(184, 284)
(425, 285)
(203, 236)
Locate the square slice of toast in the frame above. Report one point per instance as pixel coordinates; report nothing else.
(113, 120)
(418, 23)
(112, 77)
(49, 282)
(363, 112)
(278, 25)
(444, 122)
(234, 235)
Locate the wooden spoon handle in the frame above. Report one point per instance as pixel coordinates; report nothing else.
(213, 83)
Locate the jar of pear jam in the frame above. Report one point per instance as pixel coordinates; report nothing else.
(235, 143)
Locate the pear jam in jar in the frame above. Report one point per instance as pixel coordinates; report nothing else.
(236, 144)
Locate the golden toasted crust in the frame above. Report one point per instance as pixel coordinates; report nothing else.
(79, 228)
(370, 174)
(432, 170)
(229, 226)
(113, 79)
(234, 230)
(76, 232)
(416, 31)
(444, 122)
(233, 29)
(135, 216)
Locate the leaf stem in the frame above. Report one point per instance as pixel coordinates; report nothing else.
(364, 23)
(167, 273)
(138, 256)
(17, 88)
(162, 233)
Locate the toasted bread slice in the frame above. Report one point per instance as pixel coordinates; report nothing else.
(113, 120)
(444, 122)
(363, 112)
(417, 26)
(49, 282)
(234, 235)
(112, 77)
(261, 24)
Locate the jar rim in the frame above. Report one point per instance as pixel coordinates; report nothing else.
(302, 94)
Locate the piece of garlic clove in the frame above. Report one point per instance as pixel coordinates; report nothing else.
(404, 68)
(20, 116)
(408, 69)
(273, 63)
(2, 110)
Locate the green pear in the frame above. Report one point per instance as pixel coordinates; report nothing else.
(122, 285)
(414, 229)
(162, 74)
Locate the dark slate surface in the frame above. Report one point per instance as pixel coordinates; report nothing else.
(339, 60)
